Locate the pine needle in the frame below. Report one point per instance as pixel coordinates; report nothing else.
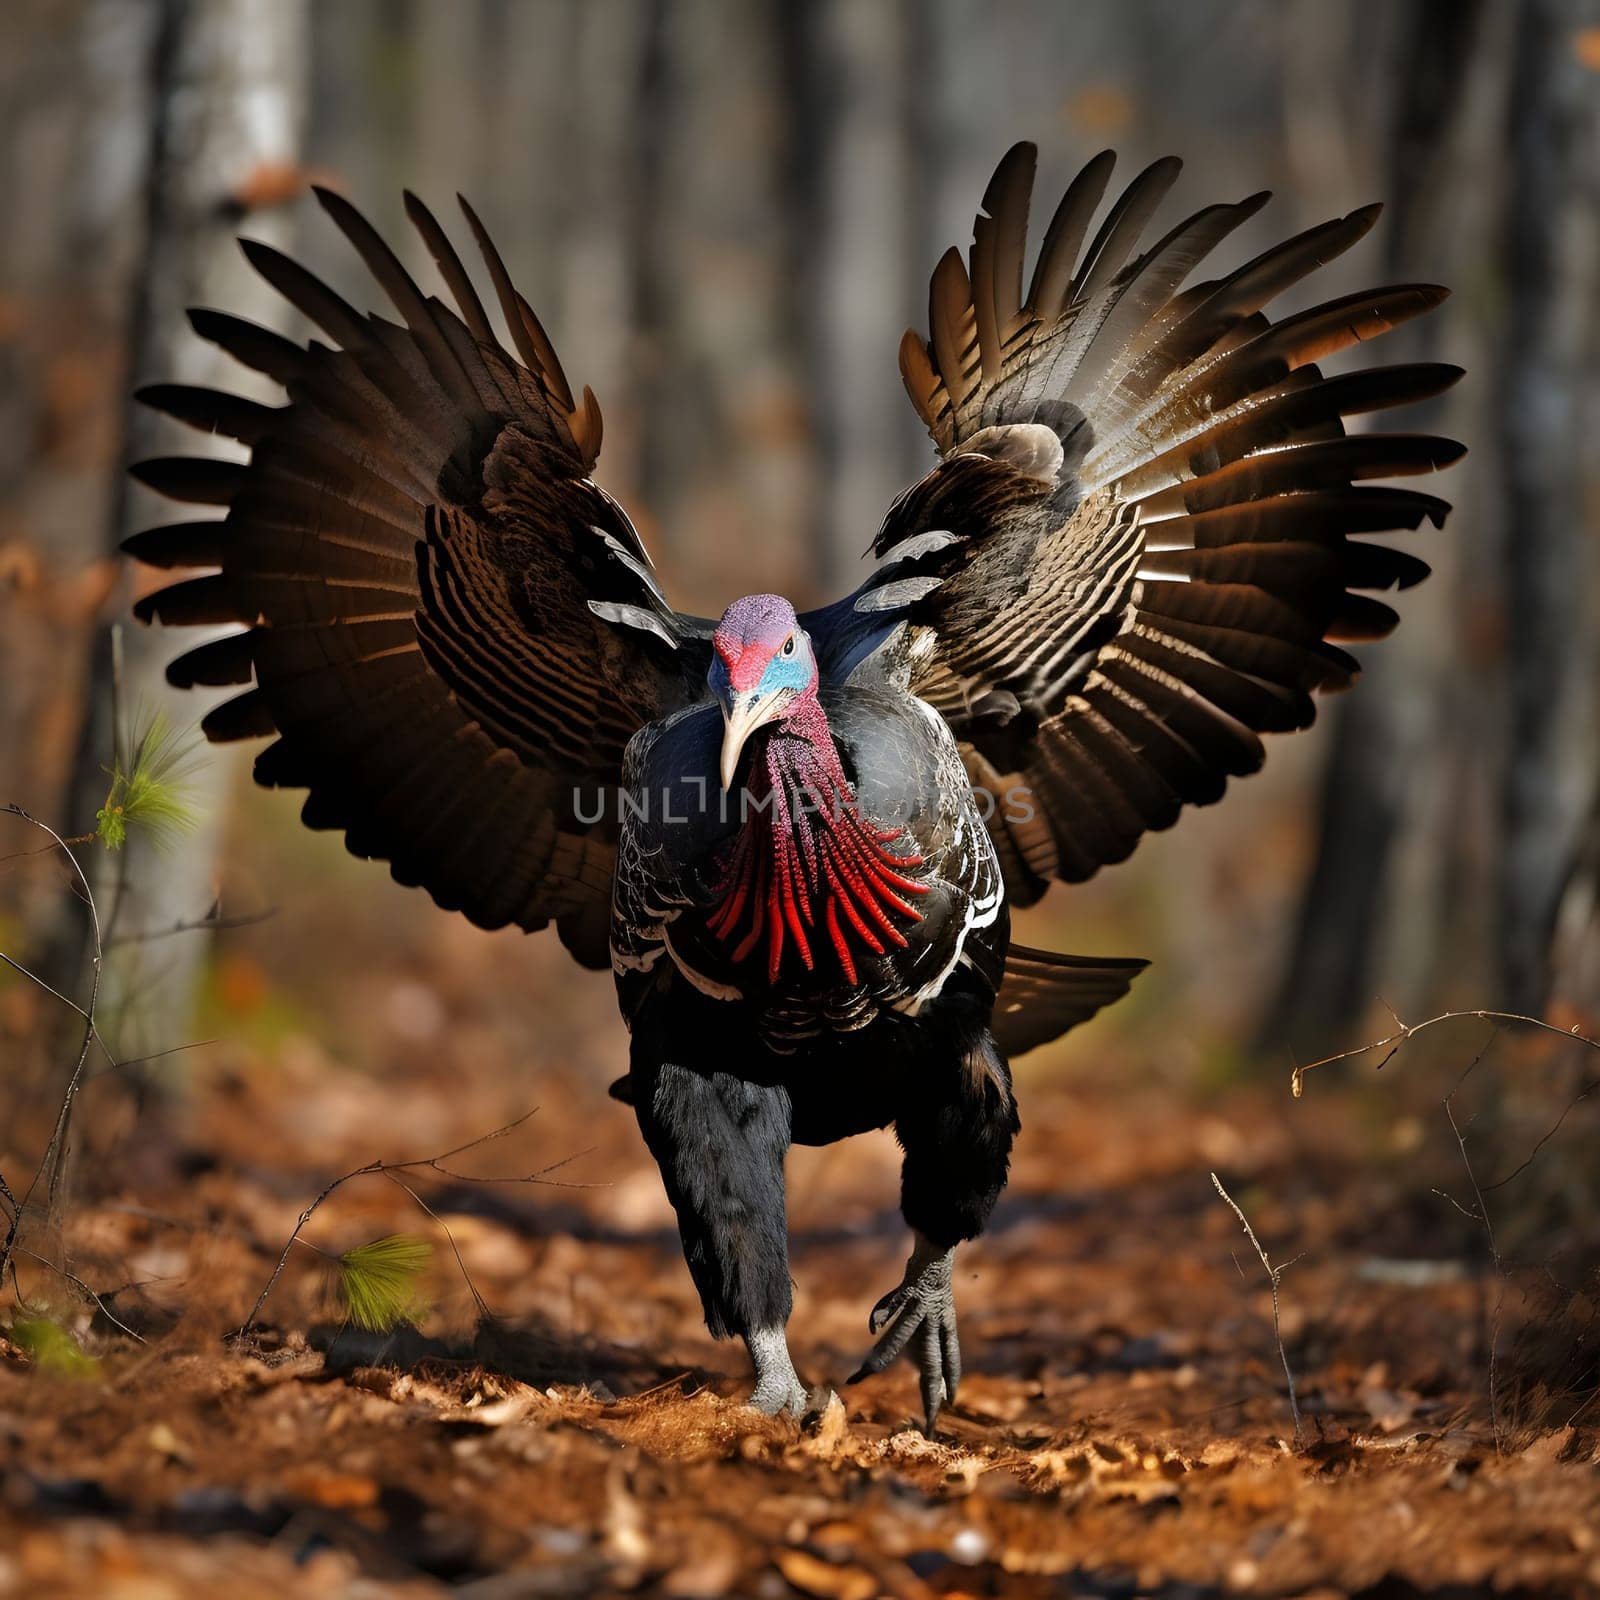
(380, 1283)
(148, 790)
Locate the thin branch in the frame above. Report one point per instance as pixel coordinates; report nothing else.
(45, 849)
(83, 1289)
(1273, 1275)
(541, 1176)
(1584, 1406)
(53, 1161)
(13, 1224)
(1450, 1199)
(482, 1139)
(455, 1249)
(55, 994)
(656, 1388)
(1545, 1138)
(16, 1248)
(10, 1258)
(1484, 1220)
(113, 1062)
(294, 1236)
(1480, 1213)
(210, 923)
(155, 1055)
(1406, 1030)
(387, 1169)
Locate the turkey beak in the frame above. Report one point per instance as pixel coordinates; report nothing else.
(742, 714)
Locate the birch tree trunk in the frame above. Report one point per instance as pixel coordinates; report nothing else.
(225, 104)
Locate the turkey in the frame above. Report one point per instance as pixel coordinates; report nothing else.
(795, 838)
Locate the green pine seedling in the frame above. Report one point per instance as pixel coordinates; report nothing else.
(147, 786)
(380, 1284)
(51, 1348)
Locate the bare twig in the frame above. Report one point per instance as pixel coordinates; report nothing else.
(1481, 1216)
(212, 922)
(45, 849)
(1273, 1275)
(53, 1162)
(154, 1055)
(13, 1248)
(484, 1312)
(388, 1169)
(113, 1061)
(1545, 1138)
(294, 1236)
(83, 1289)
(55, 994)
(482, 1139)
(1479, 1211)
(15, 1223)
(1406, 1030)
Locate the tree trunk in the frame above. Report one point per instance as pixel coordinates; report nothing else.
(1548, 400)
(225, 104)
(74, 127)
(853, 227)
(1371, 916)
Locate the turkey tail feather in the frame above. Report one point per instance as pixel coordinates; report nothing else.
(1046, 994)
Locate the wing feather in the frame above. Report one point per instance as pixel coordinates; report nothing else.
(1114, 622)
(422, 570)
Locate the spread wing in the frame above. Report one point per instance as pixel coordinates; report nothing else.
(450, 629)
(1142, 547)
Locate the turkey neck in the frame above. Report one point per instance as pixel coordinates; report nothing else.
(807, 872)
(798, 759)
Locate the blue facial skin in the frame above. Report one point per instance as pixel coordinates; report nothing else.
(786, 672)
(783, 672)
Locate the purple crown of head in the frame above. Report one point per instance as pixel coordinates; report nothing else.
(751, 632)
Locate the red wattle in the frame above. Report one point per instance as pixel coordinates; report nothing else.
(805, 851)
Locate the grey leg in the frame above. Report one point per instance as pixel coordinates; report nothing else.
(956, 1132)
(920, 1315)
(720, 1143)
(778, 1390)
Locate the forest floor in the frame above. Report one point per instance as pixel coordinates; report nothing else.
(1124, 1425)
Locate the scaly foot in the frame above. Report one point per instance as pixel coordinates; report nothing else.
(921, 1314)
(778, 1390)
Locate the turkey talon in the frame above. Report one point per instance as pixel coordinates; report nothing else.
(919, 1316)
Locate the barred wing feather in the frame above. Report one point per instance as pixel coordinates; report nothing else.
(447, 626)
(1142, 548)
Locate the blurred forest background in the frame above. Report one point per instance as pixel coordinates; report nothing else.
(725, 214)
